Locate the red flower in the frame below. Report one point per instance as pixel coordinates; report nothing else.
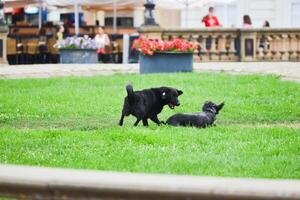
(101, 51)
(150, 46)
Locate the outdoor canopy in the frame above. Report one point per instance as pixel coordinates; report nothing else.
(110, 4)
(174, 4)
(103, 4)
(94, 2)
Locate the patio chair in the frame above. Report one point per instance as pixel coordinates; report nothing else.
(42, 52)
(53, 52)
(32, 51)
(11, 50)
(20, 55)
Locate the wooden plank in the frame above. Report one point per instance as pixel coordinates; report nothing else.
(50, 183)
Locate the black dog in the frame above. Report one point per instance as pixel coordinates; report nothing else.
(200, 120)
(148, 103)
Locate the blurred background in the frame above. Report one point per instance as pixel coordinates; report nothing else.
(26, 20)
(168, 13)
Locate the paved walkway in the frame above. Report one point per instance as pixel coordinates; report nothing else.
(288, 70)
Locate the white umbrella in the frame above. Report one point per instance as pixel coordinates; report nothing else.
(105, 3)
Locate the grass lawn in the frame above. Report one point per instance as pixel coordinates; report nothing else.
(72, 123)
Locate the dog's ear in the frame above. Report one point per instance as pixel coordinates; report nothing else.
(220, 106)
(179, 92)
(164, 95)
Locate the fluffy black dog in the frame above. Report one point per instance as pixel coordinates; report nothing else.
(201, 120)
(148, 103)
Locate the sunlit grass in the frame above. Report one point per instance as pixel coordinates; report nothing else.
(72, 123)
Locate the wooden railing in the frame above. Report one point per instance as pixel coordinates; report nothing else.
(48, 183)
(231, 44)
(51, 30)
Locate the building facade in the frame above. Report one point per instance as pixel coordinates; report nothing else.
(280, 13)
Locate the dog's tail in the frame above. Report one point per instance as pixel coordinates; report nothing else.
(130, 93)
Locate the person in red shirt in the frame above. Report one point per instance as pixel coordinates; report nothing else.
(211, 20)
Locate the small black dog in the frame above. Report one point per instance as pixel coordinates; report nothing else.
(148, 103)
(200, 120)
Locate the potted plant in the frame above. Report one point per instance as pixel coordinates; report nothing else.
(80, 50)
(157, 56)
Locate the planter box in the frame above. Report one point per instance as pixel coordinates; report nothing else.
(163, 62)
(80, 56)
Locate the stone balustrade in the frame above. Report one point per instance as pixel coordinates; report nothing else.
(278, 44)
(232, 44)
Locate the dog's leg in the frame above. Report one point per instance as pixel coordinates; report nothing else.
(155, 120)
(145, 122)
(137, 122)
(121, 120)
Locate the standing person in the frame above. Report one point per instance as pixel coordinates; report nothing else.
(210, 20)
(247, 23)
(102, 41)
(60, 33)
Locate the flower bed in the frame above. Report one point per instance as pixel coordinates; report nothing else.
(151, 46)
(76, 43)
(157, 56)
(80, 50)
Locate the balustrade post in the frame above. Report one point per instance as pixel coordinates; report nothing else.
(298, 46)
(268, 46)
(3, 44)
(283, 51)
(293, 47)
(259, 46)
(222, 47)
(275, 48)
(232, 52)
(204, 51)
(196, 56)
(213, 50)
(248, 45)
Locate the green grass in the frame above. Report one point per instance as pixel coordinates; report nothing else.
(72, 123)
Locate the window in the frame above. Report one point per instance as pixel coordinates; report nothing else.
(232, 16)
(295, 12)
(227, 14)
(121, 21)
(69, 18)
(32, 19)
